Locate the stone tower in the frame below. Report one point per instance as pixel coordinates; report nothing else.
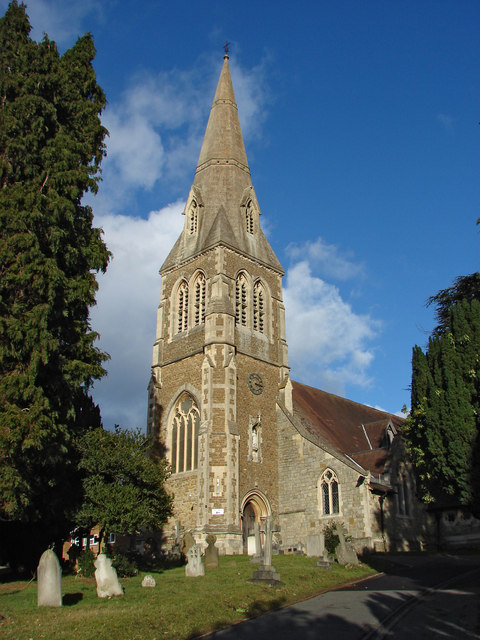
(220, 355)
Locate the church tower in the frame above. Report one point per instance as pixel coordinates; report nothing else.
(220, 355)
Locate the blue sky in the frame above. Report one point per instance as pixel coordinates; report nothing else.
(360, 120)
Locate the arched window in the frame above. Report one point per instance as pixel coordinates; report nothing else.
(199, 302)
(193, 217)
(241, 300)
(329, 493)
(249, 212)
(184, 435)
(258, 307)
(182, 307)
(403, 496)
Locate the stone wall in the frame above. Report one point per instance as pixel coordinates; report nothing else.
(301, 465)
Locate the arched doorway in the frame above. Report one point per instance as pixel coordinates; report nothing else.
(255, 508)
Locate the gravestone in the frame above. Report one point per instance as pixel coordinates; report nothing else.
(266, 571)
(211, 552)
(258, 555)
(49, 580)
(149, 581)
(106, 578)
(315, 545)
(344, 551)
(324, 562)
(194, 566)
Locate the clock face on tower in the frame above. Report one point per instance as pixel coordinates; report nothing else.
(255, 383)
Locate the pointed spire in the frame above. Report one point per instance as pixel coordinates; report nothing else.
(223, 141)
(222, 188)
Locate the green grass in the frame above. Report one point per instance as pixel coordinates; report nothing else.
(178, 607)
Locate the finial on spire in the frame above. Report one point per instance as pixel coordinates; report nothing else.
(226, 49)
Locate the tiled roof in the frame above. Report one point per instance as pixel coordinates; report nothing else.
(354, 429)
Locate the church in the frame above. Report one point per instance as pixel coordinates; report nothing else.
(243, 440)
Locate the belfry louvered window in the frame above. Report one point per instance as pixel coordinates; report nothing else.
(249, 216)
(199, 289)
(182, 322)
(241, 300)
(184, 435)
(258, 307)
(193, 217)
(329, 491)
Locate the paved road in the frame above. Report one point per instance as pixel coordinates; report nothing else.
(417, 598)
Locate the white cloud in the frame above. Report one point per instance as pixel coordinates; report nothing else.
(328, 342)
(126, 304)
(327, 257)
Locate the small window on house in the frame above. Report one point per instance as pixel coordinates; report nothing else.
(111, 538)
(199, 289)
(184, 435)
(241, 300)
(329, 492)
(258, 307)
(182, 307)
(249, 213)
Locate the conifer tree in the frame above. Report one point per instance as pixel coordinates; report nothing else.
(51, 146)
(443, 429)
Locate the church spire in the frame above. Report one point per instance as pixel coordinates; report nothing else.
(222, 207)
(223, 141)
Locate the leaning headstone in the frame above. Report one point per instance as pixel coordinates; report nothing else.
(49, 580)
(344, 551)
(211, 552)
(149, 581)
(266, 572)
(187, 542)
(106, 577)
(258, 555)
(194, 566)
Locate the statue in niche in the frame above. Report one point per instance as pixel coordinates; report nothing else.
(255, 427)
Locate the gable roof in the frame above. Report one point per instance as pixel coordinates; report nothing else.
(353, 429)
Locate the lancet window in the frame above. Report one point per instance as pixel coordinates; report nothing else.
(182, 307)
(249, 213)
(199, 291)
(193, 217)
(241, 300)
(258, 307)
(184, 435)
(329, 493)
(403, 497)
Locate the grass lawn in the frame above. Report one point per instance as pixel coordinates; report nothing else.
(178, 607)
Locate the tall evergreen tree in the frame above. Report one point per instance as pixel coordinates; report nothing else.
(51, 146)
(443, 429)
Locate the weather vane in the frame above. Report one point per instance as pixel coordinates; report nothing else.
(226, 47)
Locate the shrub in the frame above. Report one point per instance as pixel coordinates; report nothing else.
(331, 536)
(124, 563)
(86, 568)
